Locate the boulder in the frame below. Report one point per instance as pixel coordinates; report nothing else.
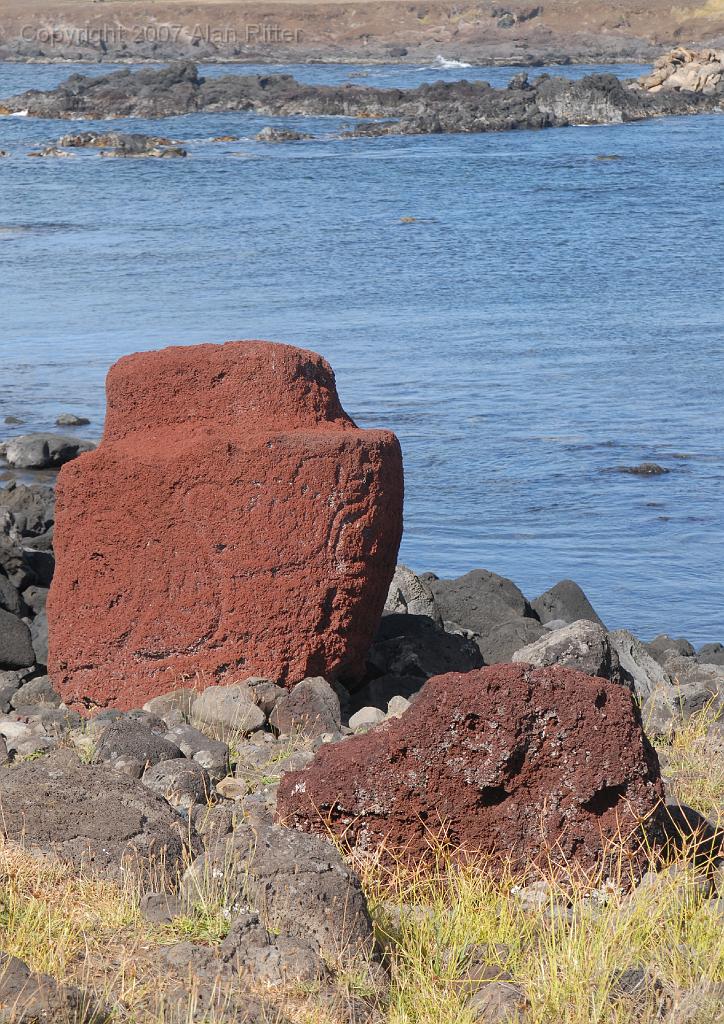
(711, 654)
(10, 599)
(411, 645)
(517, 763)
(95, 818)
(16, 643)
(310, 709)
(69, 419)
(505, 638)
(226, 712)
(686, 70)
(35, 691)
(664, 646)
(44, 451)
(298, 882)
(583, 646)
(479, 599)
(39, 637)
(236, 523)
(642, 672)
(564, 601)
(408, 594)
(128, 739)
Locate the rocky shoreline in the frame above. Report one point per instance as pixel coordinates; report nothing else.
(459, 106)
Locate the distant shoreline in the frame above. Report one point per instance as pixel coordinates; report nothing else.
(372, 32)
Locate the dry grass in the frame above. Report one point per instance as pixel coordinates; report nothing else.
(564, 953)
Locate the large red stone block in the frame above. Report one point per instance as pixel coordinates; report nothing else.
(233, 522)
(520, 764)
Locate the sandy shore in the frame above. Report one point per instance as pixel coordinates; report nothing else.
(380, 30)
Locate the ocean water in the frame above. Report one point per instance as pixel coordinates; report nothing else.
(547, 317)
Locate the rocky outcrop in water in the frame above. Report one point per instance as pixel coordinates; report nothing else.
(687, 71)
(461, 106)
(236, 522)
(120, 144)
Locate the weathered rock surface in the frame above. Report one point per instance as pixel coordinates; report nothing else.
(43, 451)
(227, 711)
(430, 108)
(503, 639)
(515, 762)
(96, 818)
(236, 523)
(299, 883)
(564, 601)
(583, 646)
(411, 645)
(644, 673)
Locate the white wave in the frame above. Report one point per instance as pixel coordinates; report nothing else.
(443, 62)
(20, 113)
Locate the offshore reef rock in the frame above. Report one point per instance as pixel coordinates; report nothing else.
(460, 106)
(233, 522)
(517, 763)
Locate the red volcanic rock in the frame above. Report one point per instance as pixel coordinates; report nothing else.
(510, 761)
(233, 522)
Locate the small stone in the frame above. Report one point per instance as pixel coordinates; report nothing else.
(397, 707)
(36, 691)
(213, 755)
(366, 718)
(33, 746)
(128, 766)
(265, 693)
(162, 908)
(176, 700)
(232, 789)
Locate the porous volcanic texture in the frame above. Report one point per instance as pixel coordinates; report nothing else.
(510, 761)
(233, 522)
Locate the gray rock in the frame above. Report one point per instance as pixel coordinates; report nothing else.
(271, 959)
(16, 644)
(35, 598)
(265, 693)
(176, 700)
(93, 817)
(31, 506)
(125, 738)
(583, 646)
(39, 636)
(227, 711)
(10, 599)
(505, 638)
(34, 745)
(14, 564)
(28, 998)
(298, 882)
(480, 599)
(153, 722)
(55, 721)
(711, 654)
(310, 709)
(379, 692)
(181, 783)
(408, 594)
(36, 691)
(644, 672)
(565, 600)
(555, 624)
(411, 645)
(212, 822)
(44, 451)
(666, 709)
(663, 646)
(69, 419)
(366, 719)
(213, 755)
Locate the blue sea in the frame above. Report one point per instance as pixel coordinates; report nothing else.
(547, 317)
